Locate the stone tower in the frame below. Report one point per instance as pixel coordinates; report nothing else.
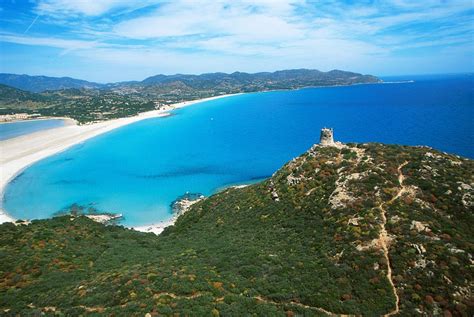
(327, 137)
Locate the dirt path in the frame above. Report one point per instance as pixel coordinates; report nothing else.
(260, 299)
(384, 239)
(321, 310)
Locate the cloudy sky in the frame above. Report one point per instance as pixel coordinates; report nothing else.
(116, 40)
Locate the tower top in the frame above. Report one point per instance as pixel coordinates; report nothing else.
(327, 136)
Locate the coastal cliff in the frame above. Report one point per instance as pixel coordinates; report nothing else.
(357, 229)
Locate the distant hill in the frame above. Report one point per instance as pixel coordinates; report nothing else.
(43, 83)
(360, 229)
(12, 97)
(277, 80)
(11, 93)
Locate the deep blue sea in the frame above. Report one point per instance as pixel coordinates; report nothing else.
(140, 169)
(14, 129)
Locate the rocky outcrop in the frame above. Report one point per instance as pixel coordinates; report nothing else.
(184, 202)
(105, 218)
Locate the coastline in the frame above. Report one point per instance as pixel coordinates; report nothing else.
(45, 143)
(20, 152)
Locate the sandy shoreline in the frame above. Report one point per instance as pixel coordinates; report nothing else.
(18, 153)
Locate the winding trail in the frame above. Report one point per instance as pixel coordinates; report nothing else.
(319, 309)
(259, 299)
(384, 239)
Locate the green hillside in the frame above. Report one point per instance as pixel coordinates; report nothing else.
(359, 229)
(11, 97)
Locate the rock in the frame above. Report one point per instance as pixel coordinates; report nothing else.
(419, 226)
(395, 219)
(468, 200)
(421, 263)
(104, 218)
(354, 221)
(275, 196)
(184, 202)
(292, 180)
(419, 248)
(273, 192)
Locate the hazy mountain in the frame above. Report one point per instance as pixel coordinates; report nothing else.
(43, 83)
(11, 97)
(11, 93)
(297, 77)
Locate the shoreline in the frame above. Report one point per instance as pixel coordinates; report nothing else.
(20, 152)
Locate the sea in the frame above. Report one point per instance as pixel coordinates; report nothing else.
(11, 130)
(140, 169)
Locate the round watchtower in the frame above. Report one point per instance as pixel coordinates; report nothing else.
(327, 137)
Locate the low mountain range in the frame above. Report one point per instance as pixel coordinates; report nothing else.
(210, 80)
(43, 83)
(89, 102)
(355, 229)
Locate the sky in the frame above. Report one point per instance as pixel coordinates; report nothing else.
(117, 40)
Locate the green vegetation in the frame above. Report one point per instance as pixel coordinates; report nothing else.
(88, 102)
(83, 105)
(243, 252)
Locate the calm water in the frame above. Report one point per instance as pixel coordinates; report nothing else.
(14, 129)
(138, 170)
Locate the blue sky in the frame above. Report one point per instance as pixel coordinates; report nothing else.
(116, 40)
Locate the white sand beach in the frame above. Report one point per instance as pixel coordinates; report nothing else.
(18, 153)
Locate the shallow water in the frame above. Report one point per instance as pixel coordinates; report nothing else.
(14, 129)
(140, 169)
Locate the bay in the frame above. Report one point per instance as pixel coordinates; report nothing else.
(140, 169)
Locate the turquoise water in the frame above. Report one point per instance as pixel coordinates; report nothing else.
(138, 170)
(14, 129)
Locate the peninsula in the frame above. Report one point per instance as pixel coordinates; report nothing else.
(344, 229)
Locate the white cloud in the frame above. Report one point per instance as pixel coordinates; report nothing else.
(262, 19)
(48, 41)
(65, 45)
(224, 35)
(81, 7)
